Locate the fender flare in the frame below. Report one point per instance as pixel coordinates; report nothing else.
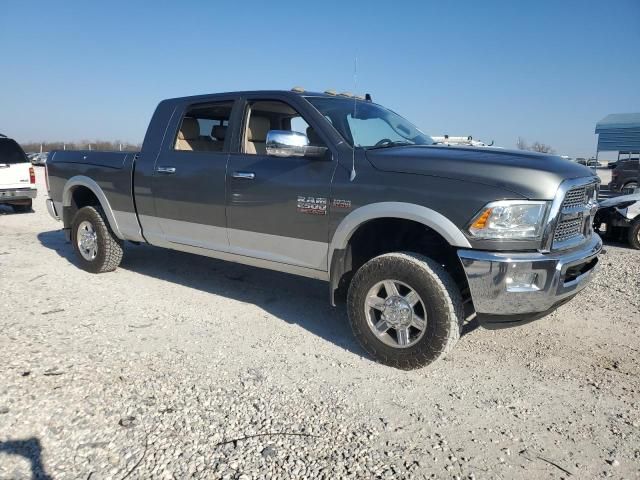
(402, 210)
(407, 211)
(83, 181)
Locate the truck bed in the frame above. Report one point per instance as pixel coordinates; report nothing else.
(111, 171)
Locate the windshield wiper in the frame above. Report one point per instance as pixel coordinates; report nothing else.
(390, 144)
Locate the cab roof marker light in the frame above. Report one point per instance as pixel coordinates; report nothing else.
(331, 92)
(298, 89)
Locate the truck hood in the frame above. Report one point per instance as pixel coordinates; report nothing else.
(535, 176)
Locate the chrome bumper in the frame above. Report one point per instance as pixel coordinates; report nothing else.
(17, 194)
(51, 208)
(507, 285)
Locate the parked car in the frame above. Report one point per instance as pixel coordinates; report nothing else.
(460, 141)
(17, 177)
(588, 162)
(40, 159)
(343, 190)
(624, 175)
(621, 216)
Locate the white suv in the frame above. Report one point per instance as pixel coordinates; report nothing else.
(17, 176)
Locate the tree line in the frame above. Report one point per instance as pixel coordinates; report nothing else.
(114, 145)
(534, 147)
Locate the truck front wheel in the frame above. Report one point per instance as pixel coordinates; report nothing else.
(405, 309)
(97, 248)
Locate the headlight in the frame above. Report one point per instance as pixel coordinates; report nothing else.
(509, 220)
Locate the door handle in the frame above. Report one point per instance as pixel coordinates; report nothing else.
(168, 170)
(244, 175)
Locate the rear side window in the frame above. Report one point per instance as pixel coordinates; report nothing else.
(10, 152)
(204, 128)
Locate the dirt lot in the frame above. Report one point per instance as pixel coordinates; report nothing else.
(176, 365)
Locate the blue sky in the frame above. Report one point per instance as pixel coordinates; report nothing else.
(543, 70)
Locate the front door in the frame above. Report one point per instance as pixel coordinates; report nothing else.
(188, 183)
(277, 208)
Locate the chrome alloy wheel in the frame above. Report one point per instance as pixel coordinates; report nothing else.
(395, 313)
(87, 240)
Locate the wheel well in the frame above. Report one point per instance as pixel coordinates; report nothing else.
(80, 197)
(385, 235)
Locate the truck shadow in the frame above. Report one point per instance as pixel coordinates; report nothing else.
(619, 242)
(31, 449)
(296, 300)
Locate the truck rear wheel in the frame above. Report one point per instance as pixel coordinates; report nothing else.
(405, 309)
(97, 248)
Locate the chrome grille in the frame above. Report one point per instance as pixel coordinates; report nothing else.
(575, 198)
(568, 229)
(575, 216)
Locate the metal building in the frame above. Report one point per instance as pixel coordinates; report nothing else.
(619, 132)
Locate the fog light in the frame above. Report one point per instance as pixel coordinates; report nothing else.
(522, 282)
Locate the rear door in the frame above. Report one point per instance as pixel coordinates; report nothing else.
(188, 180)
(14, 166)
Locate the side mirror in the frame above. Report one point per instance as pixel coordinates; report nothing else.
(284, 143)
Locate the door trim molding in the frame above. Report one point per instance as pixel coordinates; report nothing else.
(275, 251)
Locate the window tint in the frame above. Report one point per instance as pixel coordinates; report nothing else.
(204, 128)
(266, 115)
(10, 152)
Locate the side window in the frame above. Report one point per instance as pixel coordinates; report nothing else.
(266, 115)
(204, 128)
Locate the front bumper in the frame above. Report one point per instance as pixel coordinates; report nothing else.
(16, 194)
(509, 288)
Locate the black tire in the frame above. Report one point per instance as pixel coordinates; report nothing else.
(442, 301)
(634, 234)
(23, 207)
(109, 247)
(629, 188)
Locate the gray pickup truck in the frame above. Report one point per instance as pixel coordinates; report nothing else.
(417, 236)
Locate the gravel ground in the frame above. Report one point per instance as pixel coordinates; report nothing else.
(176, 366)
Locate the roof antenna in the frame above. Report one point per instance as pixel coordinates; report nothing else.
(355, 89)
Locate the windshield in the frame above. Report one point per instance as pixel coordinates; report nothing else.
(10, 152)
(367, 125)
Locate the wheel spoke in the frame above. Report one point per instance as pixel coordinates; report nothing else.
(391, 289)
(418, 322)
(375, 302)
(412, 298)
(403, 336)
(382, 326)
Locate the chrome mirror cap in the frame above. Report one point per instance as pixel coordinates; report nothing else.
(285, 143)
